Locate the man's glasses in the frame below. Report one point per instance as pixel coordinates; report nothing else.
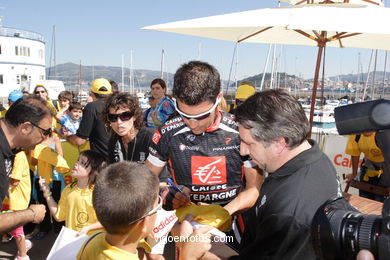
(125, 116)
(157, 208)
(45, 132)
(200, 116)
(42, 91)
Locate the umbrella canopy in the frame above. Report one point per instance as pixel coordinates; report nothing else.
(364, 2)
(346, 25)
(334, 25)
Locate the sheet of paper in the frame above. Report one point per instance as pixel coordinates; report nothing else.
(67, 245)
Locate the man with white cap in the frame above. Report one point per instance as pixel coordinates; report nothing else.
(91, 126)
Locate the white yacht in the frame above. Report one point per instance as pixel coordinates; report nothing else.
(22, 59)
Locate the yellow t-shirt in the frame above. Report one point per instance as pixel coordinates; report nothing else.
(75, 207)
(366, 145)
(2, 113)
(47, 158)
(99, 249)
(19, 195)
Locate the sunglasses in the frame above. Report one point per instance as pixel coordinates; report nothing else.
(45, 132)
(125, 116)
(42, 91)
(200, 116)
(157, 208)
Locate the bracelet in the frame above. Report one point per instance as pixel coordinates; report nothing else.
(47, 194)
(33, 213)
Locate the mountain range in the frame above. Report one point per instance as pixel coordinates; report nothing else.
(72, 74)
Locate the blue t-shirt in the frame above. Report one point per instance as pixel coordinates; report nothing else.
(68, 124)
(164, 109)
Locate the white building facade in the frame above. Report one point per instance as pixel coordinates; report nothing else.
(22, 60)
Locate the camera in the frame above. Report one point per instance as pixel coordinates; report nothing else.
(338, 230)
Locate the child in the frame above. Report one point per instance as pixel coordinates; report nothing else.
(50, 165)
(75, 205)
(19, 198)
(70, 122)
(64, 99)
(126, 200)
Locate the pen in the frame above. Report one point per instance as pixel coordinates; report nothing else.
(171, 183)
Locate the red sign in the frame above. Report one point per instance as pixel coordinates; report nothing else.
(208, 170)
(156, 137)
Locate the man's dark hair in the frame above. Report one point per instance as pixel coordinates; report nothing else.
(75, 105)
(27, 109)
(124, 192)
(114, 86)
(66, 95)
(196, 82)
(272, 114)
(124, 100)
(101, 96)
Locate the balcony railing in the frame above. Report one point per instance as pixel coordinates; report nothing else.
(12, 32)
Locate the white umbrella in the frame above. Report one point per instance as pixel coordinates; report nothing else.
(334, 25)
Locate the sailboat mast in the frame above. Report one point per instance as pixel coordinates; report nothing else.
(123, 76)
(162, 64)
(80, 79)
(373, 76)
(131, 78)
(54, 44)
(384, 76)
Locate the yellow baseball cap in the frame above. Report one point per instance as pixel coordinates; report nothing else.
(244, 91)
(101, 86)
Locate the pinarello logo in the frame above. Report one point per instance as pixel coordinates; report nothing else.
(227, 140)
(208, 170)
(156, 137)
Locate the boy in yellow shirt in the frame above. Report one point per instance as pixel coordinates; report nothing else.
(125, 199)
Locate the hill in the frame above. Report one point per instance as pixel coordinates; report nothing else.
(71, 73)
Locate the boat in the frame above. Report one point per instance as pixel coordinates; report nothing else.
(22, 60)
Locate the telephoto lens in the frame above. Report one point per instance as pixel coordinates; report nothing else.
(339, 231)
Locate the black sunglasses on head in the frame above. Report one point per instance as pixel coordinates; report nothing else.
(125, 116)
(45, 132)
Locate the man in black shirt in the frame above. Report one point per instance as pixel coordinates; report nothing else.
(92, 126)
(273, 129)
(26, 123)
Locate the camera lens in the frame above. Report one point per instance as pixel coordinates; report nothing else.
(339, 231)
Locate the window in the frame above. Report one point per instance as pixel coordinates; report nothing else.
(22, 51)
(40, 53)
(1, 79)
(17, 79)
(0, 49)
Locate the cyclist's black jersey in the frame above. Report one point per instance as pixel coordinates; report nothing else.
(209, 164)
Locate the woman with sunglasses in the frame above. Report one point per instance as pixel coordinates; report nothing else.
(42, 92)
(130, 139)
(164, 108)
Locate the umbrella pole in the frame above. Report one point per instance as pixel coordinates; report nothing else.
(315, 85)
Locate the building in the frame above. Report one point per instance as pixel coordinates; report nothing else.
(22, 60)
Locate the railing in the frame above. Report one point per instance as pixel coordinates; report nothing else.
(12, 32)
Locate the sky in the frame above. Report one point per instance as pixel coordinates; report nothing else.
(102, 32)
